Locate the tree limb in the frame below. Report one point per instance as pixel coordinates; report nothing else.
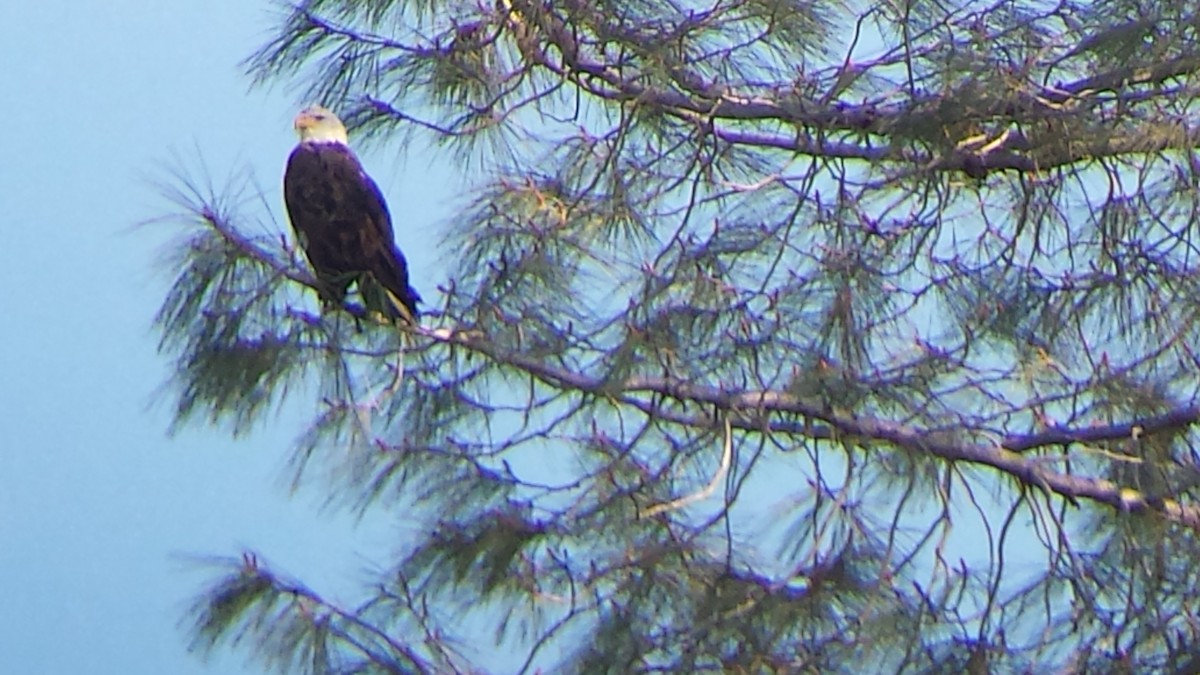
(749, 408)
(696, 99)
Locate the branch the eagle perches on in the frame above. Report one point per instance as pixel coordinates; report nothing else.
(780, 412)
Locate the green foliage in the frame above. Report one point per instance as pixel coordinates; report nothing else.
(779, 337)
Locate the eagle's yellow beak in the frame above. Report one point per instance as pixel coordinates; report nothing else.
(303, 121)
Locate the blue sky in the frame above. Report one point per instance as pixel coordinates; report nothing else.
(99, 509)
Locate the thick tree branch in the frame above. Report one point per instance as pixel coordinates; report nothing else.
(697, 100)
(1174, 420)
(749, 409)
(1129, 76)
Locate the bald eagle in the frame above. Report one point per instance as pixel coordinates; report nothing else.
(342, 221)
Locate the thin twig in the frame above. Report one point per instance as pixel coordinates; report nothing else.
(707, 490)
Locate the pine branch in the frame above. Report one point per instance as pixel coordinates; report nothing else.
(749, 408)
(699, 101)
(749, 411)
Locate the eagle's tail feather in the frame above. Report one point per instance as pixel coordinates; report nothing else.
(381, 298)
(404, 308)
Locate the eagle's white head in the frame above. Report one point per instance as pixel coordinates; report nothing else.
(319, 125)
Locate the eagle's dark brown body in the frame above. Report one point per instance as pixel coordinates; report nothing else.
(343, 224)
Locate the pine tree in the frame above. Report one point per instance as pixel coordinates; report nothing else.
(783, 336)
